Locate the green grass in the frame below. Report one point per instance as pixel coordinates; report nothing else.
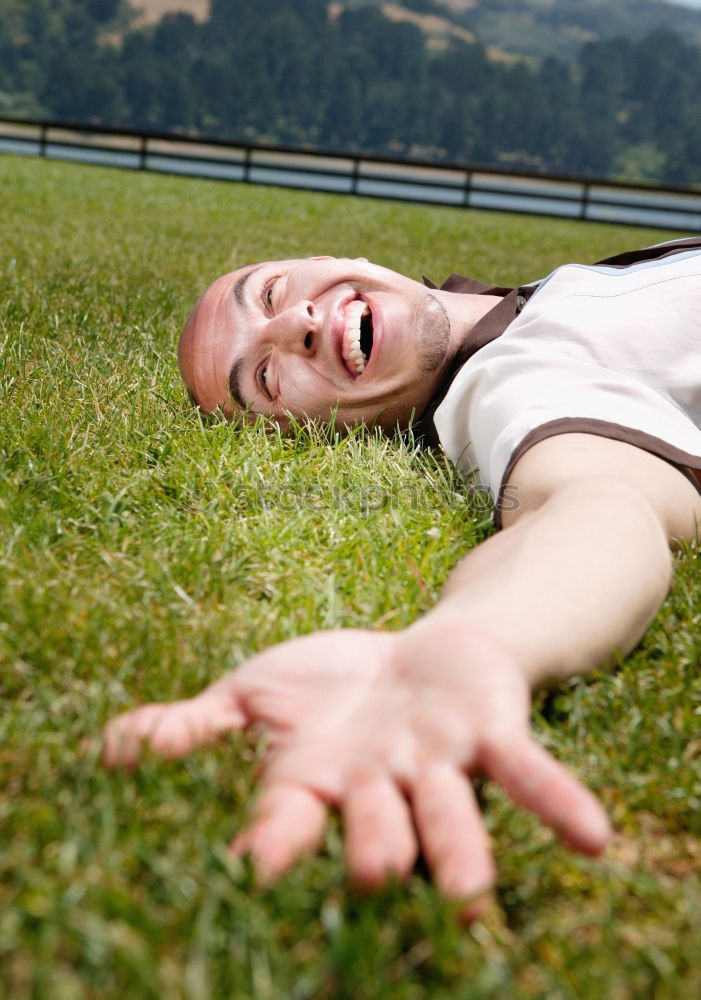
(143, 550)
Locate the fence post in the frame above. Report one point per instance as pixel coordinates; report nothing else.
(355, 176)
(42, 139)
(467, 189)
(585, 201)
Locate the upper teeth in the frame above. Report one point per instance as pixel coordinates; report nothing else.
(352, 354)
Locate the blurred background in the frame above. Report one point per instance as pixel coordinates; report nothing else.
(587, 87)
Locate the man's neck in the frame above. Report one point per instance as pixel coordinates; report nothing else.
(464, 313)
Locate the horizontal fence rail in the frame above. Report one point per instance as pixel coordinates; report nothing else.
(459, 185)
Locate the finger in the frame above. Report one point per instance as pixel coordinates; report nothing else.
(171, 729)
(537, 781)
(288, 820)
(378, 832)
(453, 837)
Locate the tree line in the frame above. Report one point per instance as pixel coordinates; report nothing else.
(286, 72)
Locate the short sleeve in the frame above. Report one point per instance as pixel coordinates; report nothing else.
(597, 351)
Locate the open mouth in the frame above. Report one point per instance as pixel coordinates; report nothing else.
(356, 346)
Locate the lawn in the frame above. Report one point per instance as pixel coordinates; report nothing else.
(143, 550)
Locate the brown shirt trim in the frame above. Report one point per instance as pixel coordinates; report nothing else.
(687, 463)
(652, 253)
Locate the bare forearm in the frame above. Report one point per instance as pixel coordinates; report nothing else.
(569, 585)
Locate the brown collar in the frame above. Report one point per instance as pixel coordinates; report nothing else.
(488, 328)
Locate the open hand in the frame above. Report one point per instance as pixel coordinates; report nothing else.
(388, 728)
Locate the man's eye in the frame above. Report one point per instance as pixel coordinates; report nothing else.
(262, 378)
(267, 293)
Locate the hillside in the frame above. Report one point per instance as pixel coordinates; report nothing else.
(533, 29)
(540, 28)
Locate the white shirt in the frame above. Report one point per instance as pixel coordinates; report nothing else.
(609, 350)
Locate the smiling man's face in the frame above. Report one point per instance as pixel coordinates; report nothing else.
(306, 338)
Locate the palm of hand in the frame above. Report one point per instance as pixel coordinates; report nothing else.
(386, 727)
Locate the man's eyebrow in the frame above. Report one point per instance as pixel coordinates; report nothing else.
(235, 383)
(239, 291)
(240, 284)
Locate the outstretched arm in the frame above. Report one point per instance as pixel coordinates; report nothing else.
(585, 561)
(389, 727)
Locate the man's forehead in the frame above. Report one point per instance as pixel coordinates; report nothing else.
(258, 264)
(286, 262)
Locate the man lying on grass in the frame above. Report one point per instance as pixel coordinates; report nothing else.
(582, 394)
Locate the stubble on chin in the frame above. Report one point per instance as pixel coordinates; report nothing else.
(433, 335)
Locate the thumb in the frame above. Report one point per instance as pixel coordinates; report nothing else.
(535, 780)
(171, 729)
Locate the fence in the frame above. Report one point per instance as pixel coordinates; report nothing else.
(459, 185)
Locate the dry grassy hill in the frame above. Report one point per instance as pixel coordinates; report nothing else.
(511, 28)
(152, 11)
(438, 30)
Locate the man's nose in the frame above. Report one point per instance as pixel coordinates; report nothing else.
(295, 329)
